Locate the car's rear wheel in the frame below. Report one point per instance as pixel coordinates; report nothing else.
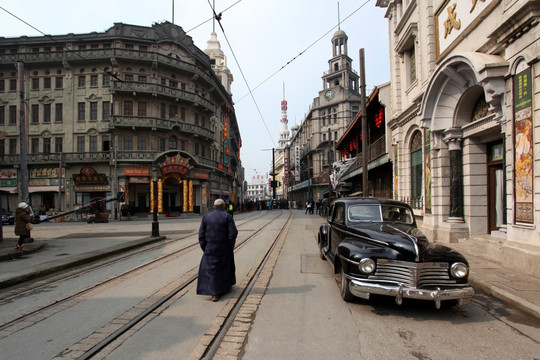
(321, 251)
(344, 286)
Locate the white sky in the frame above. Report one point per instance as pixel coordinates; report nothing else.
(264, 35)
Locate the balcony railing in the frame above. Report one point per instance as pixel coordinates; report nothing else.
(118, 121)
(96, 157)
(161, 90)
(130, 55)
(414, 202)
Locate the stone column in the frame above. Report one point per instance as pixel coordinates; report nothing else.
(453, 138)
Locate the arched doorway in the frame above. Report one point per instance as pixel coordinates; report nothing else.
(462, 108)
(172, 194)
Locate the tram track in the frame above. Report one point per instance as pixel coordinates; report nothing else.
(8, 328)
(21, 289)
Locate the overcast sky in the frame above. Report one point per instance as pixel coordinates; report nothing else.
(260, 38)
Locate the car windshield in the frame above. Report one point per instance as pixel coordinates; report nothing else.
(379, 213)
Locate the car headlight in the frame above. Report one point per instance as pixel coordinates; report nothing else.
(459, 270)
(366, 266)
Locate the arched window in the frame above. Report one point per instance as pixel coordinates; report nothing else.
(416, 169)
(173, 143)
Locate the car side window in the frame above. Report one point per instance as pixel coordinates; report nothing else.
(339, 213)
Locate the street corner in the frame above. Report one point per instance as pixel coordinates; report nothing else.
(9, 251)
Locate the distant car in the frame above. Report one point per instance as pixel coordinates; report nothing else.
(7, 217)
(376, 248)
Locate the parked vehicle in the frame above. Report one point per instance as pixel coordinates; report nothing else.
(8, 218)
(376, 248)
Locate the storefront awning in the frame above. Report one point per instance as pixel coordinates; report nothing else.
(49, 188)
(11, 189)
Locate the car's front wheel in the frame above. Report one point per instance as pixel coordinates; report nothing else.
(344, 286)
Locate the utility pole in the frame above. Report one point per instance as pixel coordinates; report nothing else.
(22, 124)
(273, 176)
(365, 184)
(60, 184)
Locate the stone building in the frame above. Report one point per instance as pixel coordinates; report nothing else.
(465, 79)
(312, 145)
(106, 108)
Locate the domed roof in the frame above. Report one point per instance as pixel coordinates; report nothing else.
(340, 33)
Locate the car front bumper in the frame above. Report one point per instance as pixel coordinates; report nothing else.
(362, 289)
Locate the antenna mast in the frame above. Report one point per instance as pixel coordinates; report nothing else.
(338, 17)
(173, 11)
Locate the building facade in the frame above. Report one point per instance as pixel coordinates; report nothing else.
(103, 110)
(465, 80)
(312, 144)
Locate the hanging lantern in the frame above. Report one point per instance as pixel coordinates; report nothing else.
(379, 118)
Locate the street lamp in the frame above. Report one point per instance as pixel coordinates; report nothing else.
(155, 222)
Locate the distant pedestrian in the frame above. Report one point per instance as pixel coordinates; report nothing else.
(230, 208)
(22, 224)
(217, 236)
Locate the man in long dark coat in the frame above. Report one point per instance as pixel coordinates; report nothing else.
(217, 236)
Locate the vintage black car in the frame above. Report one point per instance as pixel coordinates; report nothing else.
(7, 217)
(376, 248)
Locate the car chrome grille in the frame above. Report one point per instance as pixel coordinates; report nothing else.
(420, 275)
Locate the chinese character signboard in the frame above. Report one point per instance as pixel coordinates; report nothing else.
(455, 19)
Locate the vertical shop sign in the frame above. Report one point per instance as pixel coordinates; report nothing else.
(427, 169)
(523, 150)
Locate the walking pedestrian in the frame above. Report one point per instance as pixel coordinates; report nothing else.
(217, 236)
(22, 224)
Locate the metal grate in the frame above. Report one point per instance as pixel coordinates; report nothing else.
(420, 275)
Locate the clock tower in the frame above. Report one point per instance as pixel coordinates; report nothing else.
(340, 77)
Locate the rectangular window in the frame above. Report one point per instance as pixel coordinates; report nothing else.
(183, 113)
(106, 109)
(93, 110)
(106, 80)
(2, 115)
(93, 80)
(80, 144)
(2, 147)
(82, 81)
(106, 142)
(163, 81)
(162, 110)
(128, 108)
(173, 110)
(128, 142)
(162, 144)
(46, 113)
(47, 83)
(141, 109)
(35, 84)
(12, 84)
(196, 149)
(128, 77)
(34, 145)
(81, 111)
(59, 82)
(93, 144)
(58, 113)
(141, 143)
(58, 144)
(46, 145)
(12, 146)
(142, 79)
(12, 114)
(182, 145)
(173, 84)
(2, 85)
(34, 114)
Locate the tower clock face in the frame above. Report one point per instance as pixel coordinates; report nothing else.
(329, 95)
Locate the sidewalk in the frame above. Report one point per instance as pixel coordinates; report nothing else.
(72, 244)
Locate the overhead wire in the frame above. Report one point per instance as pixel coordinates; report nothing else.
(218, 19)
(303, 51)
